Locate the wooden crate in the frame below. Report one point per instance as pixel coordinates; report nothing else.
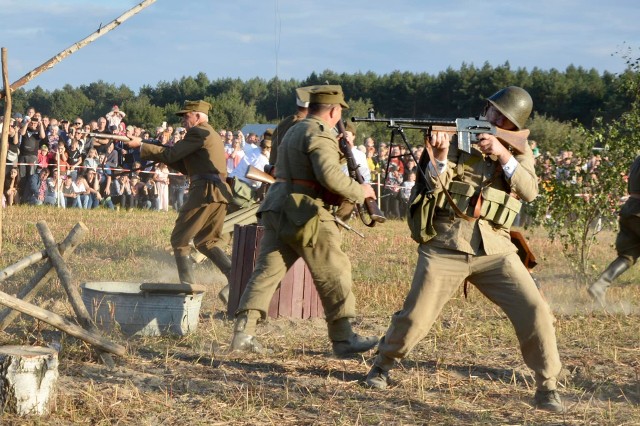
(296, 297)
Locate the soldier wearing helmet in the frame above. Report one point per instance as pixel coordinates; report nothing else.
(471, 243)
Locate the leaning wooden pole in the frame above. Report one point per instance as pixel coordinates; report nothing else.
(79, 45)
(4, 142)
(61, 323)
(42, 275)
(72, 292)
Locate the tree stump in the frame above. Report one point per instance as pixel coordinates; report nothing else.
(28, 377)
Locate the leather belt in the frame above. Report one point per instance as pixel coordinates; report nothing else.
(213, 177)
(303, 182)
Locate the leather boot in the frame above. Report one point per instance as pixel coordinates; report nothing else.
(548, 400)
(244, 331)
(185, 269)
(598, 289)
(345, 342)
(377, 378)
(223, 262)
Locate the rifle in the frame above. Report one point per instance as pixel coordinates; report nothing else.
(373, 211)
(120, 138)
(467, 129)
(256, 174)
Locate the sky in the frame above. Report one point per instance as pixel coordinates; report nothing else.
(292, 38)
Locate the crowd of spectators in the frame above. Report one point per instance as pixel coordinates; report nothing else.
(64, 163)
(60, 162)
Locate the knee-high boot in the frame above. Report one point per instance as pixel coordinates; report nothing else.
(185, 269)
(598, 289)
(223, 262)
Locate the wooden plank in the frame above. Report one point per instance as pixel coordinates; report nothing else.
(297, 290)
(235, 277)
(286, 290)
(171, 288)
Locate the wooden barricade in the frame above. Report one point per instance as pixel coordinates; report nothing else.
(296, 297)
(54, 256)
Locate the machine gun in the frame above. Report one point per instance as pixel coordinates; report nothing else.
(467, 129)
(373, 212)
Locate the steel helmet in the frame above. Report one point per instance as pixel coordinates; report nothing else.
(513, 102)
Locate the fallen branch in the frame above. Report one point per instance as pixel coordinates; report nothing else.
(62, 324)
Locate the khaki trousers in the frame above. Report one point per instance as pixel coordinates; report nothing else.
(503, 279)
(628, 238)
(202, 224)
(329, 265)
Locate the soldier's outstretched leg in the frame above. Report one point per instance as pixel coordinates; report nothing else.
(598, 289)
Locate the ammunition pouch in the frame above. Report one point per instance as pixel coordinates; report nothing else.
(461, 194)
(300, 220)
(497, 206)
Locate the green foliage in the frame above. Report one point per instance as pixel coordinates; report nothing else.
(230, 112)
(552, 135)
(577, 199)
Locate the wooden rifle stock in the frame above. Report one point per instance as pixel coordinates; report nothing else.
(107, 136)
(258, 175)
(374, 212)
(516, 139)
(524, 251)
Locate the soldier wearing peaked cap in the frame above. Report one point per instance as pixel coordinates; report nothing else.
(200, 155)
(297, 224)
(302, 104)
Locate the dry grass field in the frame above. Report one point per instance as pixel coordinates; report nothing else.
(467, 371)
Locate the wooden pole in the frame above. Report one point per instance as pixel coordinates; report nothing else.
(65, 279)
(62, 324)
(4, 142)
(42, 275)
(77, 46)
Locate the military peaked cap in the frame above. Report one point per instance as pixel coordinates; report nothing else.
(195, 106)
(328, 94)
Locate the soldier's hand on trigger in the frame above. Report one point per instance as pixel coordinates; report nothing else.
(368, 191)
(490, 145)
(440, 143)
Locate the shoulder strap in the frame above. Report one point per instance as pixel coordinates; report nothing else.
(455, 208)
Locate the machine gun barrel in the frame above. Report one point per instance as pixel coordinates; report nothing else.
(467, 129)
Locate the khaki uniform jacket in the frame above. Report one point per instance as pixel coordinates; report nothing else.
(310, 152)
(201, 152)
(470, 237)
(280, 131)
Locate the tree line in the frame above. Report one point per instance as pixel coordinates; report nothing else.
(576, 95)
